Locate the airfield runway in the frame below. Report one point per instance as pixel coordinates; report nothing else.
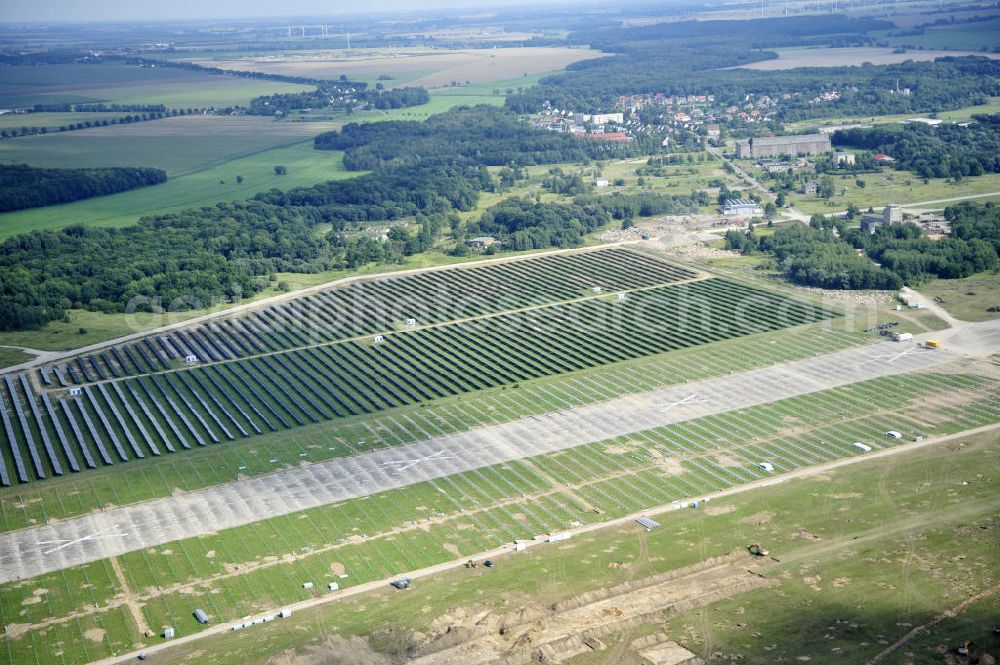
(73, 542)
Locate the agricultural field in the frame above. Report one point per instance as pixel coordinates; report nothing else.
(179, 145)
(113, 83)
(203, 187)
(53, 121)
(977, 36)
(261, 566)
(428, 68)
(855, 56)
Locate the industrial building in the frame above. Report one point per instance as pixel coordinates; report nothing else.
(891, 214)
(741, 208)
(775, 146)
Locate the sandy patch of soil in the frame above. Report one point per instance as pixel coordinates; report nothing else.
(16, 630)
(758, 519)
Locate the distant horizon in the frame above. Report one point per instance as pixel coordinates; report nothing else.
(115, 11)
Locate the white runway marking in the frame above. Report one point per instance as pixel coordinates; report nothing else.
(690, 399)
(62, 544)
(406, 464)
(893, 357)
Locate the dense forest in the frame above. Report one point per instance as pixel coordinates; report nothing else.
(823, 253)
(691, 58)
(481, 135)
(23, 186)
(229, 251)
(942, 151)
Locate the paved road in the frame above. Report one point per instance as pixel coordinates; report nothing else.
(76, 541)
(787, 211)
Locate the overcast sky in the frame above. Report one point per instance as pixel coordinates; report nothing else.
(127, 10)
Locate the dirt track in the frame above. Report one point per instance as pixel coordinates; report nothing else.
(575, 626)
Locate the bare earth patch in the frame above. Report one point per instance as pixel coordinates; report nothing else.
(95, 634)
(16, 630)
(757, 519)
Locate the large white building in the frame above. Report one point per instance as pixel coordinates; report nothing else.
(741, 208)
(603, 118)
(775, 146)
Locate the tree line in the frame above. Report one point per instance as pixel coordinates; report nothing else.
(942, 151)
(23, 186)
(824, 253)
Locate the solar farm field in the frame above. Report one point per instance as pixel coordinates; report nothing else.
(88, 612)
(117, 485)
(84, 418)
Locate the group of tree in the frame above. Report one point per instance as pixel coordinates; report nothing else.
(23, 186)
(942, 151)
(340, 95)
(227, 251)
(480, 135)
(825, 253)
(527, 223)
(685, 58)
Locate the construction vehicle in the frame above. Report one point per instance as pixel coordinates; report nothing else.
(756, 550)
(932, 344)
(402, 583)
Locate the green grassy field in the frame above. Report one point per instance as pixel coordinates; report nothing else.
(115, 83)
(10, 357)
(894, 187)
(958, 115)
(861, 541)
(177, 145)
(823, 530)
(204, 187)
(968, 299)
